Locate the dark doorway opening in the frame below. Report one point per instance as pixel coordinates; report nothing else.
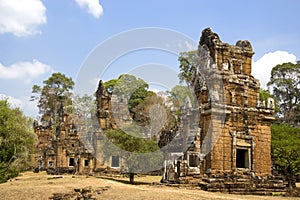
(193, 160)
(86, 163)
(242, 158)
(71, 162)
(115, 161)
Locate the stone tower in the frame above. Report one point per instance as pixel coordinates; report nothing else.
(233, 117)
(112, 110)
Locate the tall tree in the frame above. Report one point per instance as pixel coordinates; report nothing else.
(130, 87)
(53, 96)
(189, 61)
(286, 151)
(16, 141)
(85, 107)
(285, 80)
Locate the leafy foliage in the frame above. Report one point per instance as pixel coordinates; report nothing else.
(265, 94)
(286, 149)
(189, 61)
(181, 95)
(154, 115)
(142, 109)
(110, 85)
(139, 153)
(16, 141)
(285, 80)
(85, 106)
(132, 88)
(55, 93)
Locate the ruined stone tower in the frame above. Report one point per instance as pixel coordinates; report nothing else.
(112, 110)
(231, 151)
(241, 135)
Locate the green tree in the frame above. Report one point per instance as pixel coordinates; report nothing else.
(285, 80)
(130, 87)
(85, 107)
(53, 96)
(189, 61)
(142, 108)
(286, 150)
(110, 85)
(181, 94)
(154, 116)
(264, 95)
(135, 89)
(16, 141)
(140, 154)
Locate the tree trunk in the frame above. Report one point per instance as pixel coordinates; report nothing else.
(131, 178)
(291, 184)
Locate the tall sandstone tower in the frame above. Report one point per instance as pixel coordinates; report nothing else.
(231, 111)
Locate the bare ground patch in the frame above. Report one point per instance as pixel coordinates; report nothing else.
(43, 186)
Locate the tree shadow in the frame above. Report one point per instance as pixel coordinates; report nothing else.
(125, 181)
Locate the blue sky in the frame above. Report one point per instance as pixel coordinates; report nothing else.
(38, 37)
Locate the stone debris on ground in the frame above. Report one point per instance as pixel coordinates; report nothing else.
(86, 193)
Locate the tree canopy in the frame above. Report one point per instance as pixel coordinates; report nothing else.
(189, 61)
(181, 95)
(132, 88)
(140, 154)
(285, 81)
(16, 141)
(286, 149)
(54, 94)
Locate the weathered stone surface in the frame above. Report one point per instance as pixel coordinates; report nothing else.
(63, 151)
(247, 125)
(112, 110)
(233, 155)
(240, 160)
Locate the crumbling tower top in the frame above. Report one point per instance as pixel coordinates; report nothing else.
(236, 59)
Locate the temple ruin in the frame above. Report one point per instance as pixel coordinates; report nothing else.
(230, 148)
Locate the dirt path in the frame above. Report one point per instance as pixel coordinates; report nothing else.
(42, 186)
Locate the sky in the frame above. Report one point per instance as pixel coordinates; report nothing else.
(39, 37)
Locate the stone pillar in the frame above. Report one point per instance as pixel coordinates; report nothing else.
(233, 154)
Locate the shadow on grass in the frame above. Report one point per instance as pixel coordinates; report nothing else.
(125, 181)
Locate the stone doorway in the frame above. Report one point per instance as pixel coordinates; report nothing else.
(243, 158)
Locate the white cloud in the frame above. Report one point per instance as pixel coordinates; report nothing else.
(262, 67)
(28, 107)
(21, 18)
(93, 7)
(13, 101)
(24, 70)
